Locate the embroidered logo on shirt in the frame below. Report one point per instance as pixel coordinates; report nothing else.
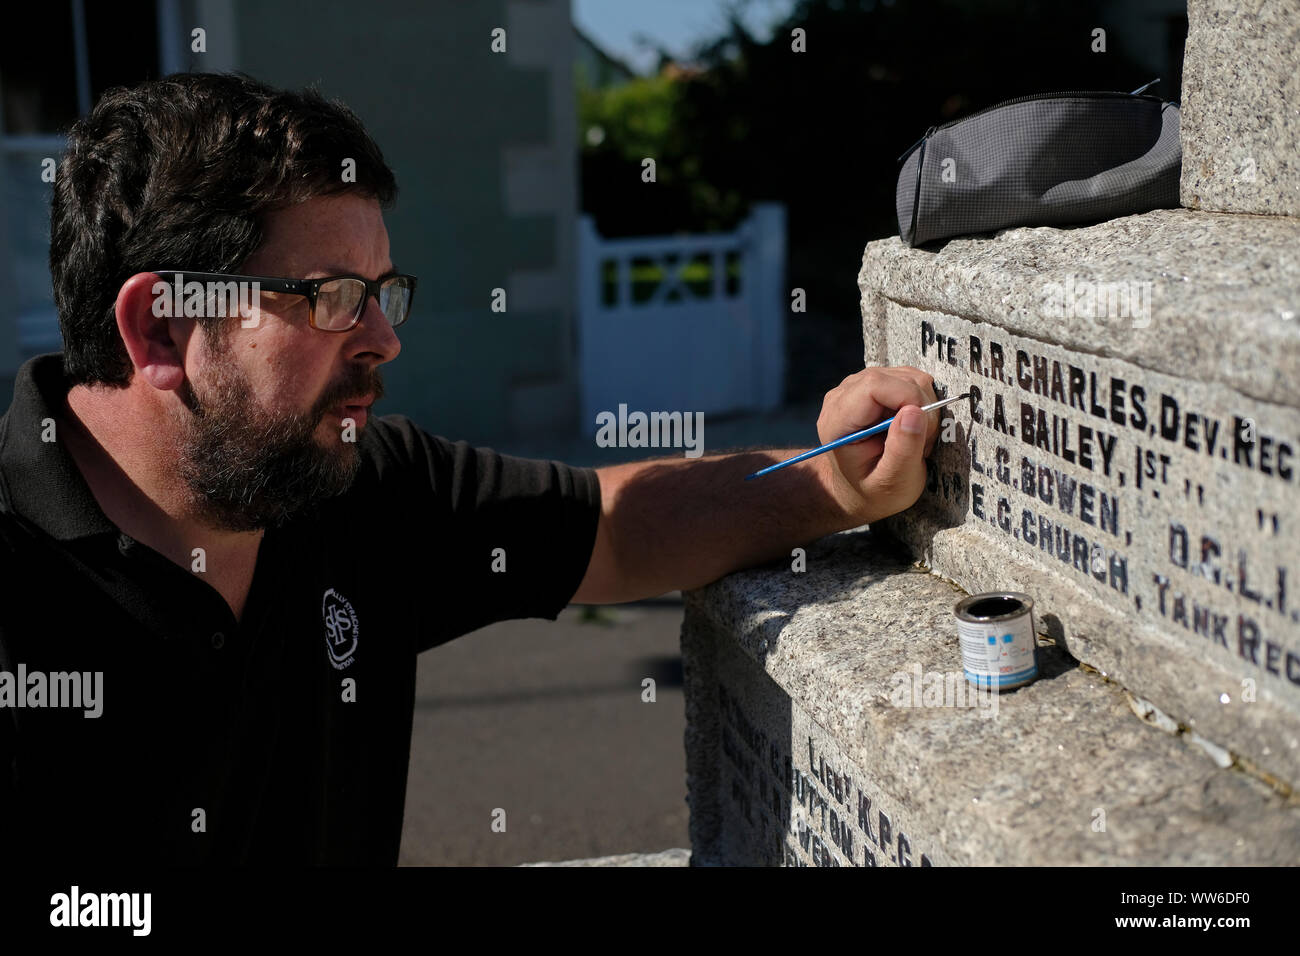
(341, 628)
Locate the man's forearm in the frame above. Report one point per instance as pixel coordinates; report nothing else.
(680, 523)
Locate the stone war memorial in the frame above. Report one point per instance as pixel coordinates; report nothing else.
(1129, 458)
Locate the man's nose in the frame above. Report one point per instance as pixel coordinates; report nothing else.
(377, 333)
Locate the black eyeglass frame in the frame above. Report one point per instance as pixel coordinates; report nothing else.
(309, 288)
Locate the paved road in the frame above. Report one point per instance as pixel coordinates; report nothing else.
(545, 720)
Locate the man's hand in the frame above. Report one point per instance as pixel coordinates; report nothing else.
(886, 473)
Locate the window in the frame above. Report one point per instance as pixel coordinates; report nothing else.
(56, 59)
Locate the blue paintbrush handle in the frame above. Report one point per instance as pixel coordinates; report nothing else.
(849, 439)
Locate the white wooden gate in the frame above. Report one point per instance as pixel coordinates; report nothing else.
(713, 346)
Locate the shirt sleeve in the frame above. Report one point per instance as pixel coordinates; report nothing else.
(501, 537)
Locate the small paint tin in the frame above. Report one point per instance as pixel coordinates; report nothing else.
(997, 639)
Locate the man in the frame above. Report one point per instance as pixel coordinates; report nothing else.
(220, 568)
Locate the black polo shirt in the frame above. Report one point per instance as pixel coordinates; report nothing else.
(283, 737)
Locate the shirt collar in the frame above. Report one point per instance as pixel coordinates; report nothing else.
(38, 479)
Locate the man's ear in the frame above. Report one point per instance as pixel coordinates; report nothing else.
(154, 337)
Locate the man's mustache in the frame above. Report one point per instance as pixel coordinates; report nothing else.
(372, 385)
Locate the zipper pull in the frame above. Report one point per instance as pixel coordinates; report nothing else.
(1142, 89)
(911, 149)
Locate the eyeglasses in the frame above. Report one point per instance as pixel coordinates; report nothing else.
(335, 303)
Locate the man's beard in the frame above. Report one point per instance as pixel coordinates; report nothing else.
(247, 468)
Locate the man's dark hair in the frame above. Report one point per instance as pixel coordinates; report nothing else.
(178, 173)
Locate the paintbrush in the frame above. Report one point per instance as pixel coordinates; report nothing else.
(850, 438)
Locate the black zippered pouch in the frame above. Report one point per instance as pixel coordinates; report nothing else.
(1052, 159)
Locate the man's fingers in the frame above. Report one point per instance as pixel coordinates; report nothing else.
(934, 436)
(873, 398)
(888, 470)
(870, 451)
(923, 379)
(866, 397)
(925, 382)
(900, 472)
